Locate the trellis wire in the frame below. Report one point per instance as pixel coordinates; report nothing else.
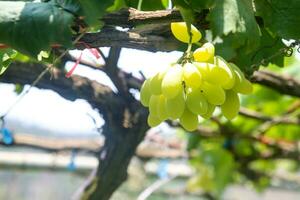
(36, 81)
(286, 51)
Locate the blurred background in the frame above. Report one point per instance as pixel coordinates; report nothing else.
(56, 142)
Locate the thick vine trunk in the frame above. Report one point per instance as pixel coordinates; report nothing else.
(124, 130)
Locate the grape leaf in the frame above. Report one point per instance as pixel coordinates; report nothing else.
(6, 57)
(93, 10)
(32, 27)
(214, 166)
(222, 163)
(90, 10)
(165, 3)
(118, 4)
(202, 4)
(18, 88)
(269, 51)
(237, 17)
(282, 17)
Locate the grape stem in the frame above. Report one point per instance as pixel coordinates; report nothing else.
(187, 55)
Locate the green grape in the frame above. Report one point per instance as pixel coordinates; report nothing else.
(210, 111)
(175, 106)
(145, 93)
(192, 76)
(180, 31)
(204, 53)
(153, 105)
(196, 102)
(245, 87)
(217, 75)
(239, 76)
(172, 82)
(231, 106)
(161, 108)
(242, 85)
(203, 68)
(188, 120)
(155, 83)
(153, 120)
(237, 70)
(219, 61)
(213, 93)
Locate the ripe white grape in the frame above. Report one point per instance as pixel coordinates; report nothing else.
(192, 89)
(172, 82)
(180, 31)
(213, 93)
(245, 87)
(188, 120)
(161, 108)
(153, 120)
(219, 61)
(217, 75)
(196, 102)
(231, 106)
(239, 76)
(242, 85)
(210, 111)
(204, 53)
(155, 83)
(203, 68)
(192, 76)
(153, 104)
(145, 93)
(175, 106)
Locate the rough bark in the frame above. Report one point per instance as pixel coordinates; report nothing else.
(125, 127)
(154, 34)
(120, 145)
(131, 17)
(110, 37)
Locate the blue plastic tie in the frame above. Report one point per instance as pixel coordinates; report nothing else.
(71, 165)
(7, 136)
(162, 171)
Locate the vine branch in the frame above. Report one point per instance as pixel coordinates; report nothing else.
(282, 83)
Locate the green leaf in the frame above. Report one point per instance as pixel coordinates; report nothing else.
(181, 3)
(93, 10)
(202, 4)
(118, 4)
(6, 57)
(214, 167)
(18, 88)
(32, 27)
(282, 17)
(165, 3)
(227, 46)
(223, 164)
(90, 10)
(237, 17)
(269, 51)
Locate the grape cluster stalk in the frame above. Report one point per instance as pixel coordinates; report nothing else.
(193, 87)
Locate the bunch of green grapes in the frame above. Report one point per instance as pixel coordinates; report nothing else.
(194, 86)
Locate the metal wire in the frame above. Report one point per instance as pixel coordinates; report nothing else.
(37, 80)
